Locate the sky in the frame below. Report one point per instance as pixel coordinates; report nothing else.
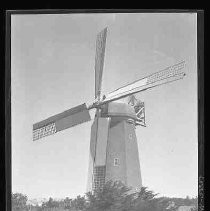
(52, 70)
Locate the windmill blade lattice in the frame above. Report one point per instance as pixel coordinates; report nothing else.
(167, 75)
(61, 121)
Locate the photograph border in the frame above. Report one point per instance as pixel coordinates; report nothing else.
(200, 81)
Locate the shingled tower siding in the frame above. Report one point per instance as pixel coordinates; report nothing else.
(132, 157)
(114, 152)
(116, 156)
(122, 154)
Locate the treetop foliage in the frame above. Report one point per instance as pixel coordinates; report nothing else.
(114, 196)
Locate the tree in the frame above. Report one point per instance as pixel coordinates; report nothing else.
(19, 202)
(79, 203)
(67, 203)
(113, 196)
(50, 203)
(145, 200)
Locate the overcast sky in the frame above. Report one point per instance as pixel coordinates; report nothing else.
(52, 58)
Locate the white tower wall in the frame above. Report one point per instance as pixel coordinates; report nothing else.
(114, 150)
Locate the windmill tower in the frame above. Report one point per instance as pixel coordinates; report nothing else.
(113, 143)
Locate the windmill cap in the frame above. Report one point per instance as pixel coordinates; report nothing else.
(119, 109)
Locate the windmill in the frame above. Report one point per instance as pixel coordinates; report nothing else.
(113, 143)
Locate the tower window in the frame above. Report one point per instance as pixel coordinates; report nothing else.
(116, 162)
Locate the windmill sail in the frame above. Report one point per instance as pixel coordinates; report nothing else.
(99, 61)
(167, 75)
(61, 121)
